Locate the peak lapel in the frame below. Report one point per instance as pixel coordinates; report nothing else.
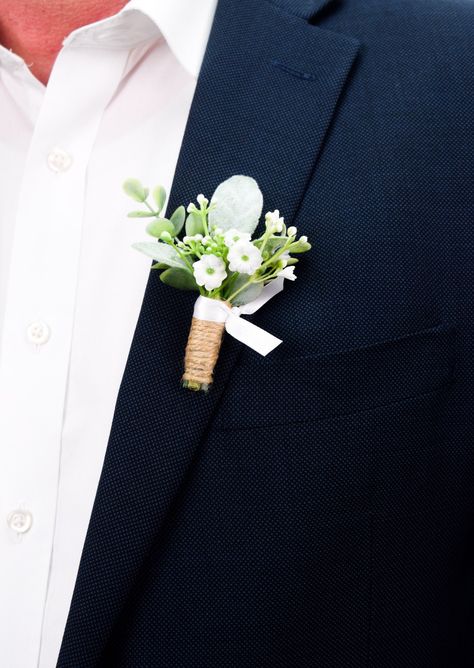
(265, 96)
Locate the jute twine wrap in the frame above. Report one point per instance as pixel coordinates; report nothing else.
(202, 351)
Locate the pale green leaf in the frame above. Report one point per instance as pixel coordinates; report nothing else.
(157, 227)
(134, 189)
(159, 195)
(140, 214)
(194, 224)
(177, 219)
(179, 278)
(248, 294)
(160, 252)
(299, 247)
(237, 204)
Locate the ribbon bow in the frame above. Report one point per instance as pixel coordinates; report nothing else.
(244, 331)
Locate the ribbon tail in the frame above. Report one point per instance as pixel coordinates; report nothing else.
(251, 335)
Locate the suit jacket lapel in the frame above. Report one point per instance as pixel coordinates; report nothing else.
(267, 90)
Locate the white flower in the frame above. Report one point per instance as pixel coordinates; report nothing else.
(191, 208)
(274, 221)
(244, 257)
(288, 272)
(195, 237)
(233, 236)
(202, 201)
(304, 239)
(210, 271)
(291, 231)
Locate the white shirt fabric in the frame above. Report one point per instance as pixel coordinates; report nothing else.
(71, 287)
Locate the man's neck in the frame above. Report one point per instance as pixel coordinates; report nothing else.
(35, 29)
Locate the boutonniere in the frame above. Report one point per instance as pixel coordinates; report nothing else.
(234, 273)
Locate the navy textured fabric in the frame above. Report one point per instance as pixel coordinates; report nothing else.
(316, 508)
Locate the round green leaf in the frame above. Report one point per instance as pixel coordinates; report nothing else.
(157, 227)
(134, 189)
(237, 204)
(194, 224)
(179, 278)
(177, 219)
(159, 195)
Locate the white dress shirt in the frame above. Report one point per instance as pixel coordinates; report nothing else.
(71, 287)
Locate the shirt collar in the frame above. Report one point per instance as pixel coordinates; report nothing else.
(185, 25)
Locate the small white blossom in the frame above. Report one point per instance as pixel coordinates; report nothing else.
(194, 238)
(244, 257)
(206, 240)
(233, 236)
(202, 201)
(191, 208)
(291, 231)
(304, 239)
(210, 271)
(274, 221)
(288, 272)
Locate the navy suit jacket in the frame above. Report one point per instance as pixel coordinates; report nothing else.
(315, 508)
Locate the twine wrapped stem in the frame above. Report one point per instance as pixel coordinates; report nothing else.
(202, 352)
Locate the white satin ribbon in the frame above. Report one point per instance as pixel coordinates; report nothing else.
(244, 331)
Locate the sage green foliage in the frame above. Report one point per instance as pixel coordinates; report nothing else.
(216, 229)
(179, 278)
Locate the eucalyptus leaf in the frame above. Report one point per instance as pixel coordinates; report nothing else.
(141, 214)
(159, 195)
(237, 204)
(161, 253)
(248, 294)
(178, 219)
(134, 189)
(179, 278)
(194, 224)
(157, 227)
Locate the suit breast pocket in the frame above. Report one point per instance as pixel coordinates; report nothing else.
(312, 388)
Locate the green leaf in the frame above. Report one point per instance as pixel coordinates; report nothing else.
(299, 247)
(160, 252)
(177, 219)
(140, 214)
(134, 189)
(159, 265)
(159, 195)
(249, 294)
(156, 227)
(194, 224)
(237, 204)
(179, 278)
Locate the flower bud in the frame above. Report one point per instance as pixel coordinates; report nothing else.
(292, 231)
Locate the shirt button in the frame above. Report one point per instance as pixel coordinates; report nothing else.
(20, 521)
(59, 160)
(38, 333)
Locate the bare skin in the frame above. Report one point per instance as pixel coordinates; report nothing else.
(35, 29)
